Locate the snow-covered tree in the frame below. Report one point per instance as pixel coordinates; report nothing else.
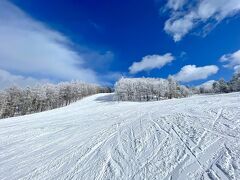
(148, 89)
(172, 85)
(12, 102)
(234, 83)
(221, 86)
(16, 101)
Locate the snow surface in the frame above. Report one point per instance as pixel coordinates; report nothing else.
(97, 138)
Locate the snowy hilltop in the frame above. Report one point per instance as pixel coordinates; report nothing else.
(197, 137)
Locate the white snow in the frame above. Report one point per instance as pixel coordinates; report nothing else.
(96, 138)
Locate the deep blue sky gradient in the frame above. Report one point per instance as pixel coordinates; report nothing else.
(131, 29)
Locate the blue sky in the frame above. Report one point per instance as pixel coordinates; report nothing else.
(100, 41)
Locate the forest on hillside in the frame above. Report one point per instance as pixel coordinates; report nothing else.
(150, 89)
(15, 101)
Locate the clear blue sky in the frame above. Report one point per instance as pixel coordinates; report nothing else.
(109, 36)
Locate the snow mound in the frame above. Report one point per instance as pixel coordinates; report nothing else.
(98, 138)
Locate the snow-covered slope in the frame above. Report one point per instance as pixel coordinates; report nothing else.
(97, 138)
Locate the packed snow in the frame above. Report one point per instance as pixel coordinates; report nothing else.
(98, 138)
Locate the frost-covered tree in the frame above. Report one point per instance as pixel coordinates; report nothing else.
(148, 89)
(221, 86)
(16, 101)
(184, 91)
(12, 102)
(234, 83)
(172, 85)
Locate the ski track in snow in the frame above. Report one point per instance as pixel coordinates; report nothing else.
(96, 138)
